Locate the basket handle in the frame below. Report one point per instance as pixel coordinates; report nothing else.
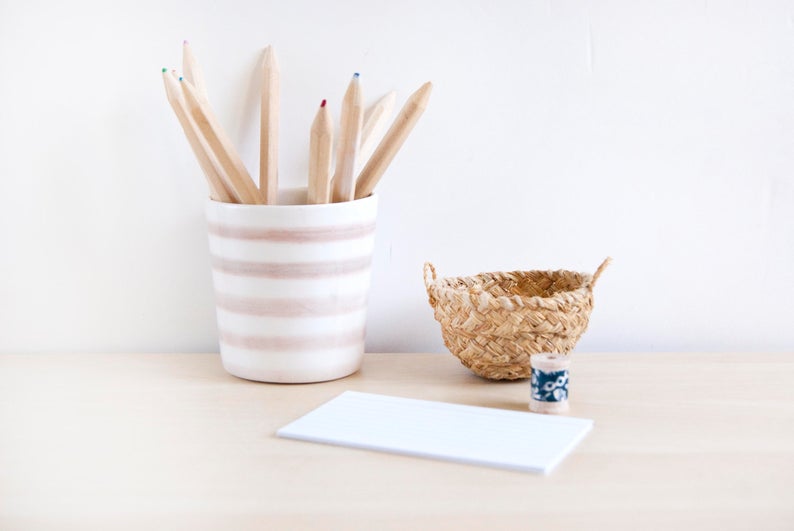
(600, 270)
(430, 276)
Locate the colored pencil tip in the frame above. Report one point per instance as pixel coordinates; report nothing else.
(185, 43)
(180, 78)
(356, 74)
(322, 104)
(165, 70)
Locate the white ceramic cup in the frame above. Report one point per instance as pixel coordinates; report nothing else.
(291, 285)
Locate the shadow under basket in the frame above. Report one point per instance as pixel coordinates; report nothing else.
(493, 322)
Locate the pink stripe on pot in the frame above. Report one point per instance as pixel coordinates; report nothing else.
(293, 269)
(293, 343)
(300, 235)
(292, 307)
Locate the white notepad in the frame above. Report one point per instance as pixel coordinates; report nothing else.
(453, 432)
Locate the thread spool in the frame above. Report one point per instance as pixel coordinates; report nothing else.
(549, 392)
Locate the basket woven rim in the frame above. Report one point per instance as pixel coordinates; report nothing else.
(442, 283)
(438, 287)
(443, 288)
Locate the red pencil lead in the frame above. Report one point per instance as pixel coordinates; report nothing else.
(322, 104)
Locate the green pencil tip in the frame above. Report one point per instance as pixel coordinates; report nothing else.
(165, 70)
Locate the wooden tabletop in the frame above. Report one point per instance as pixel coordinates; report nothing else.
(171, 441)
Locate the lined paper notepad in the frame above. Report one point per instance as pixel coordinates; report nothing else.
(453, 432)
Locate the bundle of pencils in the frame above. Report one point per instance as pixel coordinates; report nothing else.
(360, 162)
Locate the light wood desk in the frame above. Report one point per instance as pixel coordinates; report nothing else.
(681, 441)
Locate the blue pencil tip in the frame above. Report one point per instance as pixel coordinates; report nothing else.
(180, 78)
(356, 74)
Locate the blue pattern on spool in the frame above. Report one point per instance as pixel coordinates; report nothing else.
(549, 386)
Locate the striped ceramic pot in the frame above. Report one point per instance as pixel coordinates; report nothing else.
(291, 283)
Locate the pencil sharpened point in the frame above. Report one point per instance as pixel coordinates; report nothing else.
(356, 74)
(165, 70)
(180, 78)
(185, 43)
(427, 87)
(322, 103)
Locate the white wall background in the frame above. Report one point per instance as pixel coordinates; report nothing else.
(558, 133)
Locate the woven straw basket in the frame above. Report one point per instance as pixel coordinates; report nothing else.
(493, 322)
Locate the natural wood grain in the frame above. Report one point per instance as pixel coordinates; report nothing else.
(349, 139)
(681, 441)
(392, 141)
(268, 131)
(209, 164)
(192, 70)
(375, 119)
(238, 181)
(321, 144)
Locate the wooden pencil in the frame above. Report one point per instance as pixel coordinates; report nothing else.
(268, 136)
(321, 144)
(375, 120)
(392, 141)
(206, 160)
(191, 69)
(349, 140)
(236, 178)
